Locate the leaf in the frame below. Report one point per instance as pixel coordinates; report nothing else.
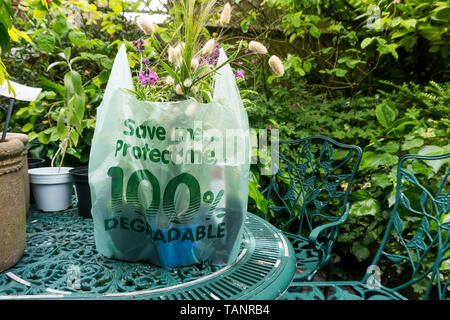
(366, 42)
(400, 124)
(432, 151)
(365, 207)
(116, 6)
(61, 125)
(410, 144)
(4, 39)
(360, 251)
(43, 137)
(384, 159)
(77, 38)
(27, 127)
(390, 147)
(255, 194)
(169, 70)
(60, 26)
(315, 32)
(46, 42)
(341, 72)
(385, 114)
(165, 37)
(54, 64)
(430, 33)
(74, 98)
(381, 180)
(361, 195)
(409, 23)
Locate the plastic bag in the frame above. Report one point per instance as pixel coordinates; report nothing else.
(167, 184)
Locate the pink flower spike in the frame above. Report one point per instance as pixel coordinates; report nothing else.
(293, 106)
(270, 128)
(320, 130)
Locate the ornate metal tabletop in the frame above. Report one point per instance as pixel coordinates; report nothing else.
(61, 262)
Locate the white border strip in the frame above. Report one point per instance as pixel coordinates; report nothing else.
(36, 296)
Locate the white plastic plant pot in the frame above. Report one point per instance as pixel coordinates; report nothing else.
(51, 187)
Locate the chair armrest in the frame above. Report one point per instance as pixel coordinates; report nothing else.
(318, 230)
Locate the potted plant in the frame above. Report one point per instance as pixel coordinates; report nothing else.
(157, 197)
(52, 186)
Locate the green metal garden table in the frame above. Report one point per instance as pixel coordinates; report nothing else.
(60, 262)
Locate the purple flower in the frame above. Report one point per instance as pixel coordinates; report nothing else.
(210, 59)
(240, 74)
(139, 45)
(148, 76)
(320, 130)
(240, 63)
(253, 61)
(293, 106)
(270, 128)
(146, 61)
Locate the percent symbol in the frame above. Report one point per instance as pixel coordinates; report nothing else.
(208, 197)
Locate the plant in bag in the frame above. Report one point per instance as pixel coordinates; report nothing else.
(185, 68)
(170, 157)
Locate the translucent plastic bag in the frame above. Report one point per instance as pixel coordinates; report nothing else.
(169, 181)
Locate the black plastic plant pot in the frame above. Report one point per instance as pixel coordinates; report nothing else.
(32, 164)
(35, 163)
(80, 178)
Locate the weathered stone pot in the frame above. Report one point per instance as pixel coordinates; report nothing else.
(13, 199)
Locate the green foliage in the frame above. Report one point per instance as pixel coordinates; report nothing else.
(397, 120)
(70, 58)
(350, 44)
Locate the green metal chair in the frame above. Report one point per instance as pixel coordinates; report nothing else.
(309, 194)
(416, 241)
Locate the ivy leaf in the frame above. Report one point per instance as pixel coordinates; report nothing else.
(384, 159)
(365, 207)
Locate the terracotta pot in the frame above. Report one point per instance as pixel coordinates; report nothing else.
(13, 199)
